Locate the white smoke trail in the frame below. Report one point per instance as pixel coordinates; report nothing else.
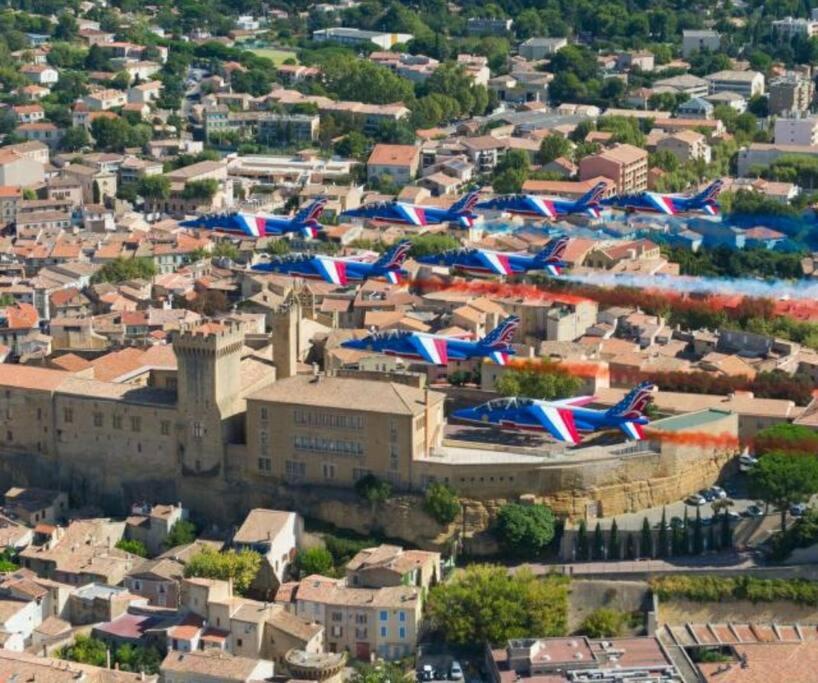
(766, 289)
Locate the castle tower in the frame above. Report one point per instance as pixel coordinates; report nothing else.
(209, 394)
(286, 325)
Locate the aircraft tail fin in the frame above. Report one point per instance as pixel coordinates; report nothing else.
(553, 251)
(310, 213)
(465, 204)
(394, 257)
(593, 195)
(635, 403)
(709, 194)
(503, 333)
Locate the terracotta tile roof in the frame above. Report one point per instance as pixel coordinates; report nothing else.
(393, 155)
(20, 317)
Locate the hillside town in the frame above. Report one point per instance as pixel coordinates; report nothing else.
(377, 342)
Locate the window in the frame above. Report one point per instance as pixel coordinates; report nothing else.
(97, 419)
(117, 421)
(238, 642)
(264, 442)
(401, 616)
(198, 432)
(136, 423)
(295, 469)
(68, 415)
(337, 616)
(329, 470)
(384, 631)
(402, 633)
(265, 465)
(384, 615)
(164, 427)
(264, 413)
(360, 618)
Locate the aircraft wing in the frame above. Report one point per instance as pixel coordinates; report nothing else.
(432, 349)
(575, 401)
(559, 422)
(331, 270)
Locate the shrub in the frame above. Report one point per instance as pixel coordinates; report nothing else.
(131, 545)
(373, 489)
(604, 622)
(441, 503)
(241, 566)
(314, 561)
(725, 589)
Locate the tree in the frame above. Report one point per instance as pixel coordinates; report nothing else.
(315, 560)
(726, 531)
(782, 479)
(154, 187)
(552, 147)
(661, 549)
(382, 672)
(239, 566)
(441, 503)
(536, 384)
(133, 546)
(786, 437)
(646, 540)
(426, 245)
(181, 533)
(486, 603)
(75, 138)
(509, 181)
(599, 543)
(66, 28)
(614, 550)
(373, 489)
(525, 530)
(115, 134)
(604, 622)
(204, 189)
(85, 650)
(123, 269)
(582, 541)
(226, 249)
(630, 547)
(698, 534)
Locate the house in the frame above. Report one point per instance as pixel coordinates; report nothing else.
(796, 131)
(145, 93)
(698, 40)
(362, 621)
(22, 666)
(400, 163)
(625, 165)
(157, 580)
(40, 74)
(19, 170)
(28, 113)
(479, 26)
(686, 145)
(213, 667)
(687, 84)
(790, 94)
(35, 506)
(729, 99)
(535, 49)
(151, 524)
(42, 131)
(17, 323)
(695, 108)
(102, 100)
(276, 535)
(391, 565)
(765, 154)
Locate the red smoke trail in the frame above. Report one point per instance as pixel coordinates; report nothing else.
(724, 441)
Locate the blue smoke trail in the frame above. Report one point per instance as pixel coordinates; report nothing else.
(765, 289)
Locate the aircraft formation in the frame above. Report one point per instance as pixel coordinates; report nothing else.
(305, 222)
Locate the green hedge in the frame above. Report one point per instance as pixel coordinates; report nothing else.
(726, 589)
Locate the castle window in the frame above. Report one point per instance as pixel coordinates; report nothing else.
(264, 413)
(68, 415)
(136, 423)
(164, 427)
(198, 432)
(117, 421)
(97, 419)
(265, 464)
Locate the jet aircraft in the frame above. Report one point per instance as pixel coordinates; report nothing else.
(341, 271)
(484, 261)
(536, 206)
(304, 223)
(565, 419)
(668, 204)
(414, 214)
(438, 349)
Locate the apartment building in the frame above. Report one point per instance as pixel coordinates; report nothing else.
(362, 621)
(487, 26)
(354, 36)
(18, 170)
(697, 40)
(790, 94)
(35, 506)
(400, 163)
(270, 128)
(535, 49)
(796, 131)
(746, 83)
(790, 28)
(625, 165)
(686, 145)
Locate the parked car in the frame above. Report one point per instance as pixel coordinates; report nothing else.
(746, 462)
(696, 499)
(718, 492)
(754, 511)
(798, 509)
(426, 673)
(455, 672)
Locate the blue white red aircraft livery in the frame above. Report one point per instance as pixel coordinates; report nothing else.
(565, 419)
(341, 271)
(305, 222)
(536, 206)
(413, 214)
(438, 349)
(485, 262)
(669, 204)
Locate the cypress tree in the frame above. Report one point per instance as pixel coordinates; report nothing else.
(646, 540)
(698, 536)
(582, 541)
(726, 531)
(614, 551)
(599, 543)
(661, 551)
(630, 547)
